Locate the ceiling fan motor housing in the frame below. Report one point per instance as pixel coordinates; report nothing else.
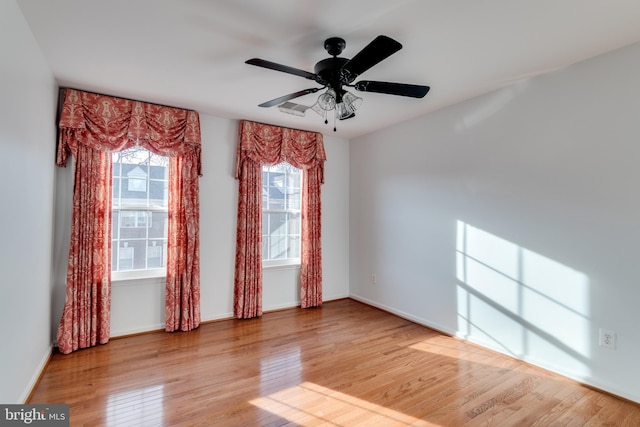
(334, 45)
(329, 71)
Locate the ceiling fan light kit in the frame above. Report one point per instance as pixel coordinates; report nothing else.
(327, 100)
(335, 73)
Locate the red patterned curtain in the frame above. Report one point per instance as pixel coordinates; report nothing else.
(258, 145)
(182, 311)
(92, 126)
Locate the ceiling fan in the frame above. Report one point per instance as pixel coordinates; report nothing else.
(336, 73)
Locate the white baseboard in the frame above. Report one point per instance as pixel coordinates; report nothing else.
(36, 375)
(283, 306)
(588, 381)
(292, 304)
(139, 330)
(404, 315)
(328, 298)
(223, 316)
(583, 379)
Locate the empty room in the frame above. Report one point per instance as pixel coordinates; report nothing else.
(246, 213)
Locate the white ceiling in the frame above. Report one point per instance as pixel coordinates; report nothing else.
(191, 53)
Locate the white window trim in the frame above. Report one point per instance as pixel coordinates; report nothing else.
(144, 275)
(122, 276)
(141, 208)
(281, 264)
(286, 263)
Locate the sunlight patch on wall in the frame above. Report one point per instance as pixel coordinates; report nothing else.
(523, 302)
(311, 404)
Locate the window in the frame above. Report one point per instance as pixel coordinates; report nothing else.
(139, 216)
(281, 205)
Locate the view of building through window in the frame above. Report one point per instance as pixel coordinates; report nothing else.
(139, 216)
(281, 204)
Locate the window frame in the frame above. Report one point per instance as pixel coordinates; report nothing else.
(282, 263)
(148, 209)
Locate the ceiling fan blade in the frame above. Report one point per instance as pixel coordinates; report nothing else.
(379, 49)
(279, 67)
(284, 98)
(401, 89)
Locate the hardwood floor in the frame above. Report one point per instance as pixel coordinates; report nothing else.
(345, 364)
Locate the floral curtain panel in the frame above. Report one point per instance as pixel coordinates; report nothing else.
(91, 127)
(182, 310)
(86, 314)
(258, 145)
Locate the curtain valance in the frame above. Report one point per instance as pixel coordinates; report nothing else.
(109, 124)
(269, 144)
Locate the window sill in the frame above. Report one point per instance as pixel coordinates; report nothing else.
(138, 277)
(272, 267)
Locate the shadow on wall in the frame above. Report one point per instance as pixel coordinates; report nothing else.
(521, 302)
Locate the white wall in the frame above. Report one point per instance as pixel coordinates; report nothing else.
(27, 140)
(138, 306)
(512, 220)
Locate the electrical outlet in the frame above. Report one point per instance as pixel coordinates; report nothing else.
(607, 339)
(374, 278)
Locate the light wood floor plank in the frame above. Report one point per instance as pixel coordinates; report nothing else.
(344, 364)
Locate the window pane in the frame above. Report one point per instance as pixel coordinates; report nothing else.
(130, 196)
(281, 203)
(140, 189)
(294, 223)
(115, 223)
(158, 193)
(277, 224)
(155, 254)
(294, 247)
(158, 226)
(295, 180)
(276, 197)
(143, 219)
(125, 256)
(128, 219)
(265, 223)
(277, 246)
(159, 169)
(137, 184)
(133, 224)
(115, 191)
(265, 248)
(140, 253)
(294, 201)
